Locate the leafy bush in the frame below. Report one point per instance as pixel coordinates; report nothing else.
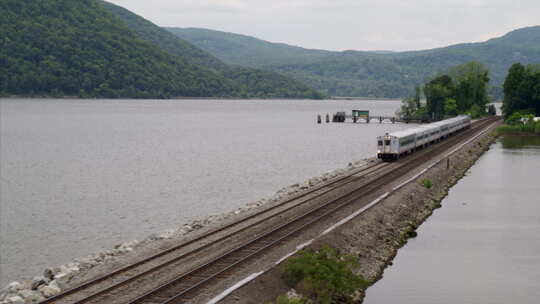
(517, 117)
(427, 183)
(324, 275)
(286, 300)
(476, 111)
(530, 127)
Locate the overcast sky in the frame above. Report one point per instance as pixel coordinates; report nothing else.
(348, 24)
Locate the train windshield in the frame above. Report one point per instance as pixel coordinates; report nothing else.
(387, 142)
(380, 142)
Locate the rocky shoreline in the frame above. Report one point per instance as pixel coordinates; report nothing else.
(54, 280)
(404, 211)
(376, 235)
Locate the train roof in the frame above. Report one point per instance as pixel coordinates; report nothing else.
(422, 128)
(404, 133)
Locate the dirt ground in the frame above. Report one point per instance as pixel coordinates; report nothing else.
(376, 235)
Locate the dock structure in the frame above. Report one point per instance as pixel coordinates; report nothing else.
(357, 116)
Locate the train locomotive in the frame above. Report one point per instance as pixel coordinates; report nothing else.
(392, 146)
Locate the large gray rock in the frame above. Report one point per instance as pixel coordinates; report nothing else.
(49, 273)
(31, 296)
(38, 281)
(14, 286)
(49, 291)
(62, 281)
(16, 300)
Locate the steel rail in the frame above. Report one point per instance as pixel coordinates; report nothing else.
(228, 261)
(140, 275)
(332, 183)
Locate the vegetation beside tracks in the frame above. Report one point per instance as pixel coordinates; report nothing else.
(463, 89)
(324, 276)
(521, 104)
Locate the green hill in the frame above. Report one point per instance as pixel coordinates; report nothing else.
(253, 82)
(375, 74)
(80, 48)
(62, 47)
(246, 50)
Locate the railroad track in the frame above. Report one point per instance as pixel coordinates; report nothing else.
(92, 291)
(183, 287)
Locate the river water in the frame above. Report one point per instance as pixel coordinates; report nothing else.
(79, 176)
(483, 246)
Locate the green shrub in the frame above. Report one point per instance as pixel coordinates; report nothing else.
(506, 129)
(286, 300)
(427, 183)
(476, 111)
(528, 127)
(324, 275)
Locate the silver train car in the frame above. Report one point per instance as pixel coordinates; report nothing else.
(392, 146)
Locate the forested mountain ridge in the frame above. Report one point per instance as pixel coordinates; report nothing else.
(245, 50)
(357, 73)
(155, 35)
(253, 82)
(79, 48)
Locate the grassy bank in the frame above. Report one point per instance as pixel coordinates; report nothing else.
(529, 128)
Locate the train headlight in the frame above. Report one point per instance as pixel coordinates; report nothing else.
(378, 151)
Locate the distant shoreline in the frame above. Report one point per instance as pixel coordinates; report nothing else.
(364, 98)
(198, 98)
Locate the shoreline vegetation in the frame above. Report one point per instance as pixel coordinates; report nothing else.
(533, 130)
(328, 98)
(521, 104)
(463, 89)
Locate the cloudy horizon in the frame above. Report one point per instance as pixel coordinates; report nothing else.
(347, 24)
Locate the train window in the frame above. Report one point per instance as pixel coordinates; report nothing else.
(387, 142)
(380, 142)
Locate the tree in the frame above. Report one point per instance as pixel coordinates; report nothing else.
(450, 107)
(417, 96)
(522, 90)
(471, 85)
(513, 97)
(437, 91)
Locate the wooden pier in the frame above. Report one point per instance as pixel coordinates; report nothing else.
(358, 116)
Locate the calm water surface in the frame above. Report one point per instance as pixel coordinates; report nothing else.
(78, 176)
(483, 246)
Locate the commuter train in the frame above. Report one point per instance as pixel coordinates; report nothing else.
(392, 146)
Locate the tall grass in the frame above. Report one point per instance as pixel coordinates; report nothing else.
(530, 128)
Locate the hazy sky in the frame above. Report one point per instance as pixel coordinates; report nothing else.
(348, 24)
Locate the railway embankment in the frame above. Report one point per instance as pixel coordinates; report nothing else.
(376, 235)
(55, 280)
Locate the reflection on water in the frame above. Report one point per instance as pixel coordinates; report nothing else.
(483, 246)
(520, 142)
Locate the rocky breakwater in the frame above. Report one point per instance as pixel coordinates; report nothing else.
(376, 235)
(57, 279)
